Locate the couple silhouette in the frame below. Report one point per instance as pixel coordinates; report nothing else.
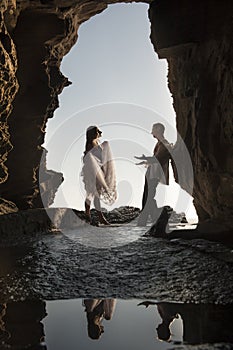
(99, 175)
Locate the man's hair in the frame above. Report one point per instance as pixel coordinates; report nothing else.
(163, 332)
(159, 126)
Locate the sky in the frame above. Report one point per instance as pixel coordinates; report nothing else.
(119, 84)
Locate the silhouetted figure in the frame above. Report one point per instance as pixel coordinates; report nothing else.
(97, 310)
(157, 172)
(163, 329)
(202, 323)
(98, 173)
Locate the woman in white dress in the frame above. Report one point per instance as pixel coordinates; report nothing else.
(98, 173)
(97, 310)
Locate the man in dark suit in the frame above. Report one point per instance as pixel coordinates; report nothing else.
(157, 172)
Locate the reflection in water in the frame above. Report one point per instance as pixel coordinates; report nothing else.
(20, 325)
(201, 323)
(3, 332)
(163, 328)
(97, 310)
(131, 327)
(167, 316)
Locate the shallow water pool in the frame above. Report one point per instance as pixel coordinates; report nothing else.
(113, 324)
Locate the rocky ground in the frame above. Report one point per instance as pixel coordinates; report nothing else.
(117, 261)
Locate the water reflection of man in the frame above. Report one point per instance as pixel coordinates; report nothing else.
(97, 310)
(200, 321)
(163, 329)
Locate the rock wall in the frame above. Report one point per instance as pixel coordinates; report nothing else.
(39, 35)
(195, 38)
(8, 89)
(197, 43)
(34, 104)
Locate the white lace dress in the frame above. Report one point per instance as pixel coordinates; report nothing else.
(99, 174)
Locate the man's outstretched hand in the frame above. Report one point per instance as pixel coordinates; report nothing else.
(147, 303)
(143, 158)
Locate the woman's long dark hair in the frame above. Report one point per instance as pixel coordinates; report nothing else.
(91, 134)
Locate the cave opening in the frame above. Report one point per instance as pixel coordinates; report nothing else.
(118, 83)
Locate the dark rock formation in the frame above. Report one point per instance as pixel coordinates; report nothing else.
(20, 226)
(21, 324)
(209, 230)
(196, 39)
(33, 105)
(118, 216)
(158, 229)
(197, 42)
(49, 181)
(8, 89)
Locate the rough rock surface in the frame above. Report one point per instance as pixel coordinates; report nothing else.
(66, 265)
(199, 50)
(8, 89)
(80, 260)
(194, 36)
(34, 221)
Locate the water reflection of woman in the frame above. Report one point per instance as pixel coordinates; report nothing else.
(97, 310)
(98, 173)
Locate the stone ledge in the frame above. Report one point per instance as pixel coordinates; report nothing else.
(32, 221)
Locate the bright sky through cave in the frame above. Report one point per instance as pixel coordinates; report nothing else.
(119, 84)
